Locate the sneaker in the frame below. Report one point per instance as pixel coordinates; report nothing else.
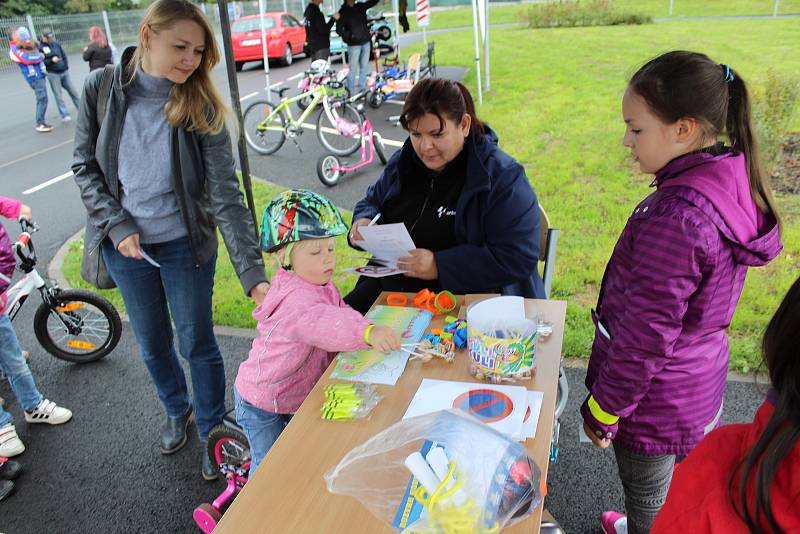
(614, 523)
(9, 469)
(66, 119)
(48, 412)
(10, 444)
(44, 128)
(6, 489)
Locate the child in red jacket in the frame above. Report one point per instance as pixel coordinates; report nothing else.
(746, 478)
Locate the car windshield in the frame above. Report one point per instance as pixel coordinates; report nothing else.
(252, 25)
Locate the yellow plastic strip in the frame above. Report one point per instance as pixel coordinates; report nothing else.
(600, 414)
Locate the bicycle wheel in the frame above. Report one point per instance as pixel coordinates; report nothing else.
(228, 445)
(81, 327)
(260, 139)
(328, 170)
(343, 135)
(377, 142)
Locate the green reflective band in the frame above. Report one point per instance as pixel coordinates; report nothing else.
(601, 415)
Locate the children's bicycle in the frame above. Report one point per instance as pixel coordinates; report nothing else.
(267, 125)
(230, 452)
(330, 168)
(320, 72)
(71, 324)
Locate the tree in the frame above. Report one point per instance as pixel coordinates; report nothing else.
(12, 8)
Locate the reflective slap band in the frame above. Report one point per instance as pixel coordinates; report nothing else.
(601, 415)
(396, 299)
(366, 333)
(449, 303)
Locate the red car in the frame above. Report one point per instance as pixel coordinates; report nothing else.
(286, 36)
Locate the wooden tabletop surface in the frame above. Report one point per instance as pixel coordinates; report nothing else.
(287, 493)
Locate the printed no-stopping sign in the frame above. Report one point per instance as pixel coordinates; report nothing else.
(487, 405)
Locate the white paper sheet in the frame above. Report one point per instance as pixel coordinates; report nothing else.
(503, 411)
(387, 242)
(535, 406)
(374, 271)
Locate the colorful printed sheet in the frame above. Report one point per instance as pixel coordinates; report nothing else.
(378, 367)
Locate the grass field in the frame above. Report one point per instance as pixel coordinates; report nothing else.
(555, 103)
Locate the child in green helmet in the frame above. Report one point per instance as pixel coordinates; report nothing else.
(303, 321)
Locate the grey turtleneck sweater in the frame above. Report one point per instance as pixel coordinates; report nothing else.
(145, 161)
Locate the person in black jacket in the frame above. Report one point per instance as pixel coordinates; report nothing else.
(353, 28)
(318, 32)
(99, 53)
(467, 205)
(58, 73)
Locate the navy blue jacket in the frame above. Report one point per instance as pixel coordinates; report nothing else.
(51, 49)
(496, 221)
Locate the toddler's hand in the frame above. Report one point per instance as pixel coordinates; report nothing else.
(25, 211)
(603, 443)
(383, 339)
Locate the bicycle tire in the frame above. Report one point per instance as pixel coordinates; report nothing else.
(325, 173)
(266, 142)
(328, 134)
(215, 449)
(377, 144)
(103, 337)
(304, 102)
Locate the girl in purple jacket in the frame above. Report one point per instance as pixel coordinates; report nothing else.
(302, 321)
(659, 359)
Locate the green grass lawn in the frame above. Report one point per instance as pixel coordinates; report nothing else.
(556, 108)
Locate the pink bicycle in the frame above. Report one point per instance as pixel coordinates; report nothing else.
(330, 168)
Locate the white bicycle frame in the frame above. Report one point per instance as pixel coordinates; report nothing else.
(19, 292)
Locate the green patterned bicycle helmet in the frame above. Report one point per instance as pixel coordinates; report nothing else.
(296, 215)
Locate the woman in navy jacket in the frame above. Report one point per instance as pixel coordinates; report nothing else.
(467, 204)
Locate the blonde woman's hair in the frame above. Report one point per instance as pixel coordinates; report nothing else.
(195, 104)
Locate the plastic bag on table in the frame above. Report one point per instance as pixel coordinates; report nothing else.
(483, 480)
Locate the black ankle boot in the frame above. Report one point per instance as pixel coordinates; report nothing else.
(208, 469)
(173, 433)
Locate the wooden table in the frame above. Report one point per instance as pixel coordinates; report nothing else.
(287, 495)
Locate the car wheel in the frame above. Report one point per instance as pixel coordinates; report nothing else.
(287, 55)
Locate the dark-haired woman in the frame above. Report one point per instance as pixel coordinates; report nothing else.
(746, 478)
(659, 360)
(467, 205)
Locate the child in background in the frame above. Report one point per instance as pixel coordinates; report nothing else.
(303, 321)
(24, 51)
(12, 363)
(746, 478)
(659, 360)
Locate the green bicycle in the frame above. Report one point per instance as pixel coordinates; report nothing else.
(268, 125)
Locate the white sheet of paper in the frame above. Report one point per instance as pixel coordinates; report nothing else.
(387, 242)
(434, 395)
(535, 405)
(374, 271)
(497, 310)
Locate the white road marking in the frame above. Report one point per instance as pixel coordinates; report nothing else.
(34, 154)
(395, 102)
(298, 75)
(48, 183)
(251, 95)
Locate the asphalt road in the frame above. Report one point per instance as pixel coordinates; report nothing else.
(102, 472)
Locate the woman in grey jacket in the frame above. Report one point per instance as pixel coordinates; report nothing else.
(157, 178)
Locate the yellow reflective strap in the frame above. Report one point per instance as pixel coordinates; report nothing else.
(600, 414)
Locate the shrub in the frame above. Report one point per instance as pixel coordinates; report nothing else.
(773, 107)
(572, 13)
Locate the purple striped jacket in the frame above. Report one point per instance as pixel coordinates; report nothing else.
(668, 295)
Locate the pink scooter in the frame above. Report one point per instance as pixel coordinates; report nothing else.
(330, 168)
(230, 451)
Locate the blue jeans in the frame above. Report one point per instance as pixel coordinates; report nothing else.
(261, 428)
(57, 81)
(40, 88)
(183, 289)
(16, 370)
(357, 56)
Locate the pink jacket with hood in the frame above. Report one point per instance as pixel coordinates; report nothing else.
(301, 327)
(9, 208)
